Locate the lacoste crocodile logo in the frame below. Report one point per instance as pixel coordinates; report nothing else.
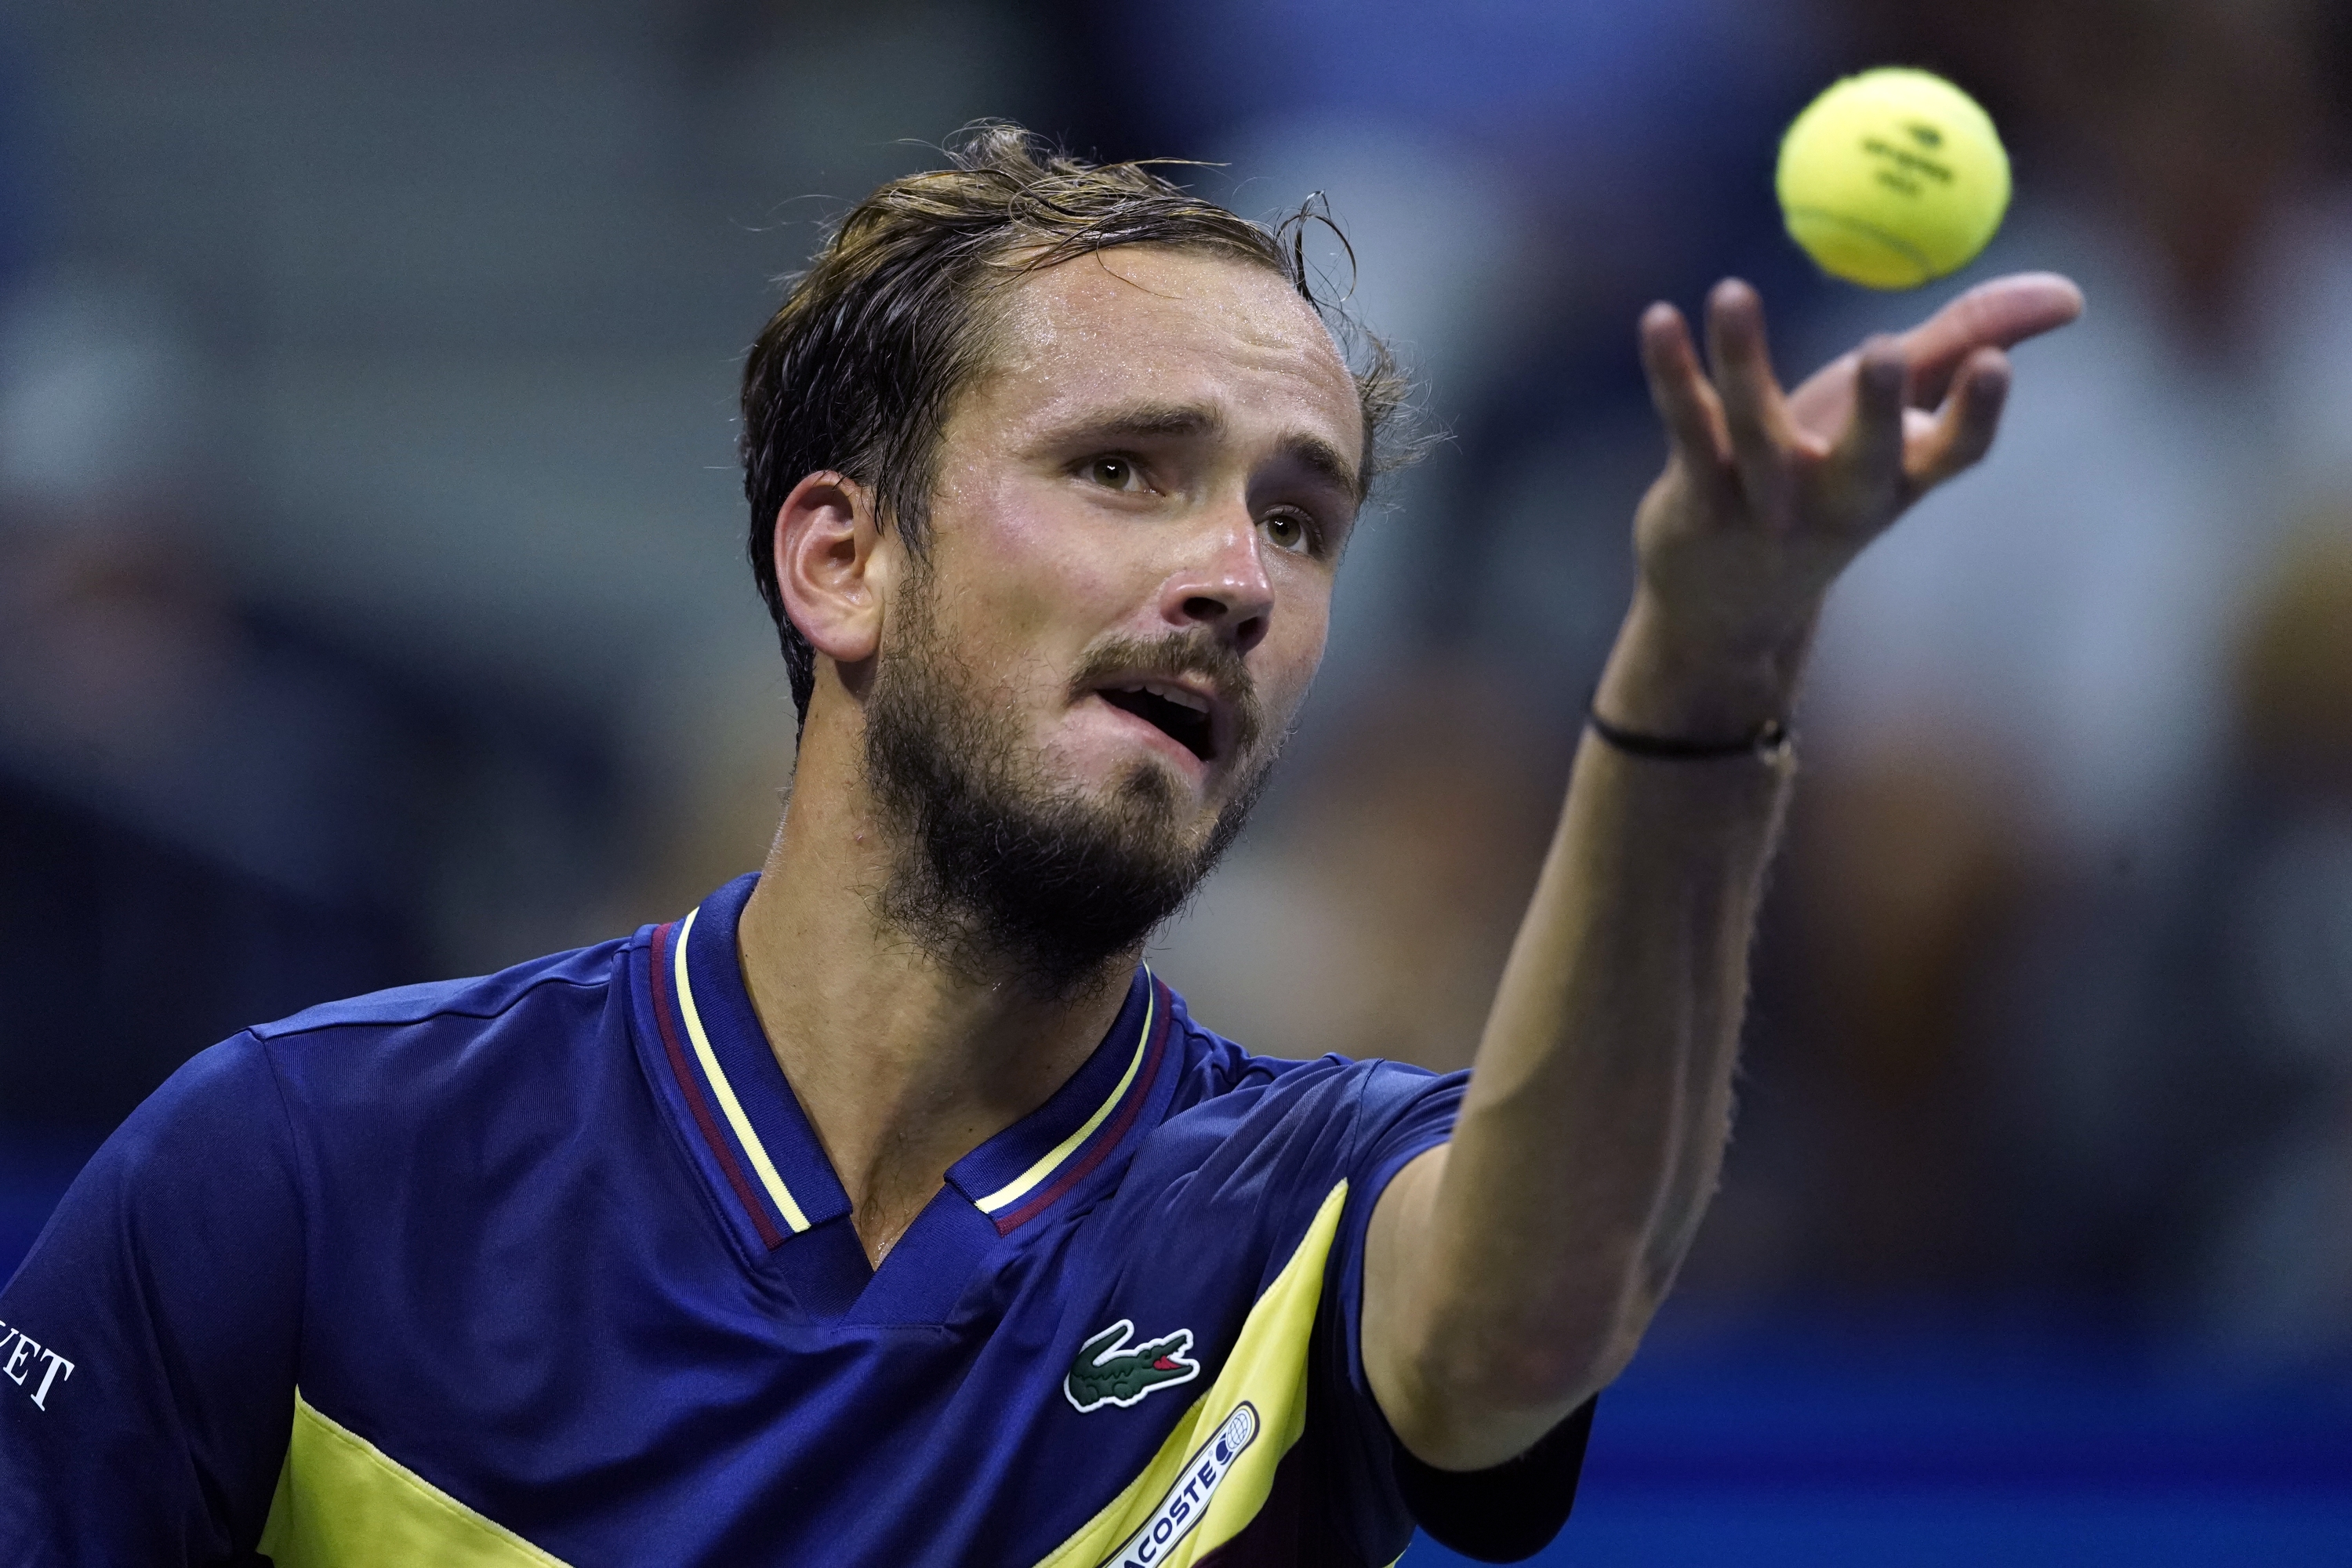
(1111, 1370)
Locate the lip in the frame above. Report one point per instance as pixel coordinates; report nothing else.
(1194, 691)
(1152, 737)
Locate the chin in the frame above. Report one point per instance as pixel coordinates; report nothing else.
(1150, 796)
(1129, 775)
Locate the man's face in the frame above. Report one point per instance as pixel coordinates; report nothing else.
(1139, 509)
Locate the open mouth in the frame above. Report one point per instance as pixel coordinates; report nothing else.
(1183, 718)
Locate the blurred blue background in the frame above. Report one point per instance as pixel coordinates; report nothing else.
(371, 610)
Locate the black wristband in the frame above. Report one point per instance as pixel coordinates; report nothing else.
(1767, 740)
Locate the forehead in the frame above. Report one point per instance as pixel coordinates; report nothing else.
(1138, 323)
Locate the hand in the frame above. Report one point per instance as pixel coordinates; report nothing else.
(1767, 496)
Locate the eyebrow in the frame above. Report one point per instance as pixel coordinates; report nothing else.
(1167, 421)
(1324, 460)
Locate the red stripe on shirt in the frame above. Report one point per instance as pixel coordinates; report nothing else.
(691, 1087)
(1111, 1136)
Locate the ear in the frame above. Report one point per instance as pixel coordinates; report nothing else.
(831, 563)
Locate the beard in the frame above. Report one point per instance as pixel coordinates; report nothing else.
(999, 874)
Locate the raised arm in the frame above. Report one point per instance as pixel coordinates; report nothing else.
(1511, 1272)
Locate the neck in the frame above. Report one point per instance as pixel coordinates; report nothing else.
(903, 1065)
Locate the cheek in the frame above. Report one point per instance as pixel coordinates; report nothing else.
(1064, 580)
(1293, 650)
(1029, 581)
(1041, 564)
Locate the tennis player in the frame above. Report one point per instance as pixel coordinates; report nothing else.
(883, 1209)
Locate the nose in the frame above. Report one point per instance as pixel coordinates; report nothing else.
(1223, 585)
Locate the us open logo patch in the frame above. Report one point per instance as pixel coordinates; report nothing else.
(1110, 1369)
(1182, 1505)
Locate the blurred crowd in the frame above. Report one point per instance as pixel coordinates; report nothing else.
(371, 606)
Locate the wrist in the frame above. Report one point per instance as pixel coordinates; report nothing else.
(1667, 680)
(1769, 739)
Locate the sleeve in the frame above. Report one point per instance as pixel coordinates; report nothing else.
(149, 1340)
(1499, 1515)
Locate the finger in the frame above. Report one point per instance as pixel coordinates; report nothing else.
(1870, 449)
(1679, 390)
(1999, 314)
(1963, 431)
(1821, 406)
(1754, 411)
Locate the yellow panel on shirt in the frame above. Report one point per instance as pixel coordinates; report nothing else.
(1215, 1471)
(342, 1503)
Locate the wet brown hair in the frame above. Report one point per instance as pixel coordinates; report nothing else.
(860, 367)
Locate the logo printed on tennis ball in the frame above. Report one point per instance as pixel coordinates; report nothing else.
(1893, 177)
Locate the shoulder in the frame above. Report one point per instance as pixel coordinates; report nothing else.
(1340, 1104)
(541, 983)
(1215, 1066)
(450, 1048)
(372, 1054)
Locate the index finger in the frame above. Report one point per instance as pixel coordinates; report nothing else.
(1998, 314)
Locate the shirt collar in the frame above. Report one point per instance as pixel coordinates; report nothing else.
(760, 1144)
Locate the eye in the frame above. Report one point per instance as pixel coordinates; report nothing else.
(1113, 473)
(1288, 529)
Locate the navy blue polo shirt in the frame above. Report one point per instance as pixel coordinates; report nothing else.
(549, 1266)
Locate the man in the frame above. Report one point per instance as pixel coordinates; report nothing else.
(882, 1209)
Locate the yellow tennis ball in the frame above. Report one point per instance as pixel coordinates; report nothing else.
(1893, 177)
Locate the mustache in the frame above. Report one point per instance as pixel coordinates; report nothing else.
(1199, 652)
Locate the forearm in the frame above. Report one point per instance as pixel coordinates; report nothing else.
(1519, 1264)
(1509, 1272)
